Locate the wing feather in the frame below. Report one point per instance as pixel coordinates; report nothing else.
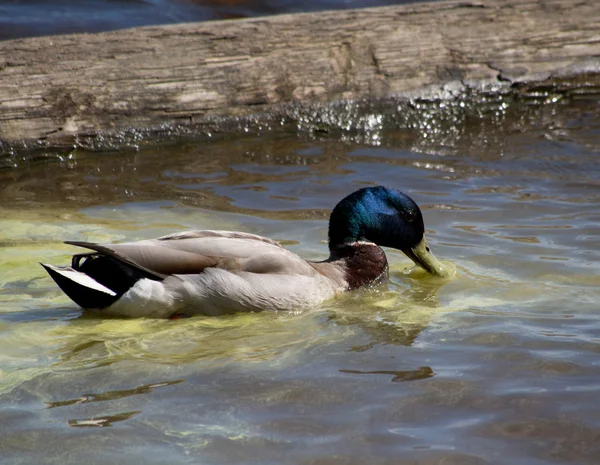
(193, 251)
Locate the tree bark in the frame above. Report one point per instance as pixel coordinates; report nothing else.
(58, 88)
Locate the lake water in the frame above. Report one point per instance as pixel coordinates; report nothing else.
(499, 366)
(25, 18)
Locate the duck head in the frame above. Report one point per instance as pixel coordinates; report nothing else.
(386, 217)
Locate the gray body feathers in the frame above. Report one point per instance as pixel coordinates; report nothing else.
(216, 272)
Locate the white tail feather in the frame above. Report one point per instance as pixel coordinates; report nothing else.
(82, 279)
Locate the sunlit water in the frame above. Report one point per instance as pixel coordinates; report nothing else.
(501, 365)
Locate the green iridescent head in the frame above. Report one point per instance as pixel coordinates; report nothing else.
(386, 217)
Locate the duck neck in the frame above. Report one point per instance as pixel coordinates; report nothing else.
(352, 241)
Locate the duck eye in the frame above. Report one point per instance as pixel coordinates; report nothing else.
(409, 216)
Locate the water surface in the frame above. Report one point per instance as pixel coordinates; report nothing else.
(498, 366)
(26, 18)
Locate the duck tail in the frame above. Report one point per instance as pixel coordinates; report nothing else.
(81, 288)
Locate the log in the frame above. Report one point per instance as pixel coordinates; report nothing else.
(62, 89)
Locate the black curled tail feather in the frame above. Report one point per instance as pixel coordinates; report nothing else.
(101, 279)
(84, 296)
(120, 259)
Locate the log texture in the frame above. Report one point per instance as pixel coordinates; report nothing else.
(57, 87)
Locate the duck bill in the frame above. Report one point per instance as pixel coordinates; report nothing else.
(421, 255)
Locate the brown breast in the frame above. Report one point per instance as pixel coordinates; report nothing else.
(364, 263)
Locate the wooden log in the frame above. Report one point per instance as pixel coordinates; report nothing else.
(57, 88)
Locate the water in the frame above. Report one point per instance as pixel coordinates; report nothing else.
(498, 366)
(26, 18)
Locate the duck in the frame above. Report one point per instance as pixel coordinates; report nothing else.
(212, 272)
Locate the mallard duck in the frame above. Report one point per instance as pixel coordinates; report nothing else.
(216, 272)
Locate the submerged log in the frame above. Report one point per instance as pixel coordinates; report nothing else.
(58, 88)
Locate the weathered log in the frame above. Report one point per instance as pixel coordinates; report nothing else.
(57, 88)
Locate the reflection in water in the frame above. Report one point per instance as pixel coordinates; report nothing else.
(393, 313)
(113, 395)
(502, 347)
(101, 422)
(397, 376)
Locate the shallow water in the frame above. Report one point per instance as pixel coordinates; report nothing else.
(498, 366)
